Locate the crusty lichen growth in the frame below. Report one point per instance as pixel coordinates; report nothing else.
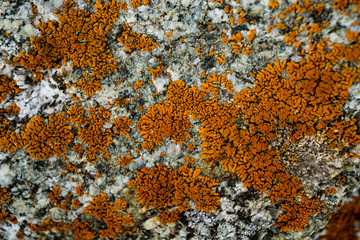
(344, 223)
(7, 87)
(79, 36)
(257, 135)
(163, 188)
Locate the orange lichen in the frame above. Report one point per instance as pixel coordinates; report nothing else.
(4, 196)
(9, 140)
(156, 72)
(242, 16)
(13, 109)
(7, 86)
(125, 161)
(273, 4)
(291, 38)
(352, 36)
(252, 35)
(191, 146)
(90, 129)
(162, 121)
(135, 41)
(343, 5)
(79, 36)
(110, 213)
(43, 140)
(79, 190)
(215, 84)
(238, 47)
(302, 9)
(302, 103)
(189, 160)
(138, 84)
(344, 223)
(78, 149)
(163, 188)
(89, 87)
(34, 10)
(221, 59)
(122, 126)
(4, 216)
(54, 195)
(138, 3)
(80, 230)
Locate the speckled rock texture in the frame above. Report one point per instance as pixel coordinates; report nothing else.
(178, 119)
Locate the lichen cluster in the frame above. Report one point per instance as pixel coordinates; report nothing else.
(246, 132)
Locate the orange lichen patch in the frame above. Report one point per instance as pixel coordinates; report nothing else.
(304, 102)
(34, 10)
(213, 53)
(342, 5)
(89, 87)
(297, 215)
(9, 140)
(125, 161)
(110, 213)
(221, 59)
(76, 115)
(215, 84)
(344, 131)
(281, 26)
(163, 188)
(191, 146)
(220, 1)
(352, 36)
(92, 134)
(224, 39)
(252, 35)
(269, 28)
(135, 41)
(13, 109)
(98, 175)
(242, 16)
(80, 230)
(79, 36)
(78, 149)
(156, 72)
(344, 223)
(122, 126)
(291, 38)
(7, 86)
(79, 190)
(236, 42)
(76, 203)
(273, 4)
(138, 3)
(199, 51)
(68, 4)
(45, 140)
(20, 235)
(138, 84)
(189, 160)
(4, 196)
(163, 121)
(330, 191)
(302, 9)
(238, 47)
(4, 216)
(315, 28)
(54, 195)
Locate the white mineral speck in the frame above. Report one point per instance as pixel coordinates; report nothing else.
(6, 175)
